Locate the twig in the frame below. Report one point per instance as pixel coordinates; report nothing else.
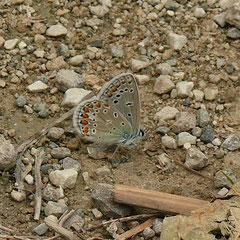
(186, 167)
(35, 138)
(38, 185)
(135, 230)
(62, 231)
(65, 217)
(6, 229)
(27, 170)
(125, 219)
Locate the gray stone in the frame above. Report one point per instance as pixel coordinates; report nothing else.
(63, 50)
(167, 113)
(172, 5)
(60, 152)
(225, 4)
(185, 121)
(165, 162)
(96, 213)
(21, 101)
(116, 50)
(73, 96)
(197, 131)
(184, 89)
(65, 178)
(211, 93)
(119, 31)
(41, 229)
(198, 95)
(11, 43)
(233, 33)
(157, 226)
(233, 15)
(199, 12)
(220, 19)
(18, 196)
(176, 42)
(169, 142)
(56, 209)
(50, 193)
(137, 65)
(7, 154)
(195, 159)
(69, 163)
(221, 181)
(44, 113)
(142, 79)
(185, 137)
(163, 84)
(43, 79)
(220, 62)
(148, 233)
(56, 31)
(163, 129)
(39, 107)
(103, 171)
(203, 117)
(69, 79)
(99, 10)
(208, 134)
(164, 69)
(55, 133)
(37, 86)
(232, 143)
(76, 60)
(76, 221)
(103, 199)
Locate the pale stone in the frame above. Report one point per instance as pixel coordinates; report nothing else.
(11, 44)
(56, 31)
(176, 42)
(167, 113)
(137, 65)
(37, 86)
(184, 89)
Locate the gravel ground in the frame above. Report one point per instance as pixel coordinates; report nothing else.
(185, 56)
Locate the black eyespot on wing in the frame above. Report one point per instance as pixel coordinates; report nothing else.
(131, 90)
(118, 95)
(129, 104)
(94, 119)
(97, 111)
(105, 111)
(94, 131)
(115, 114)
(121, 91)
(123, 123)
(129, 114)
(116, 101)
(95, 125)
(126, 90)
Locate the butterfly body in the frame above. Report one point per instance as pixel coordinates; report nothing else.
(113, 117)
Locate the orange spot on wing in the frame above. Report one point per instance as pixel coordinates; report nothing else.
(114, 89)
(98, 105)
(85, 115)
(118, 85)
(106, 105)
(90, 106)
(85, 131)
(86, 110)
(84, 122)
(109, 94)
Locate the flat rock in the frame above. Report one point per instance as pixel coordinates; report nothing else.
(60, 152)
(164, 69)
(54, 208)
(99, 10)
(211, 93)
(163, 84)
(67, 79)
(73, 96)
(142, 79)
(50, 193)
(220, 180)
(65, 178)
(69, 163)
(37, 86)
(233, 15)
(55, 133)
(56, 31)
(56, 63)
(102, 197)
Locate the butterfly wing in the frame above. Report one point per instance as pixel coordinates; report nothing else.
(122, 93)
(98, 122)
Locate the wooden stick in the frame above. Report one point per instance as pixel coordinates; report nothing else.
(6, 229)
(160, 201)
(62, 231)
(38, 185)
(124, 219)
(135, 230)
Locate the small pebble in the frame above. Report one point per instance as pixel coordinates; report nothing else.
(21, 101)
(97, 214)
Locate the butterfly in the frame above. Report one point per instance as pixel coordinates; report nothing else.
(113, 116)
